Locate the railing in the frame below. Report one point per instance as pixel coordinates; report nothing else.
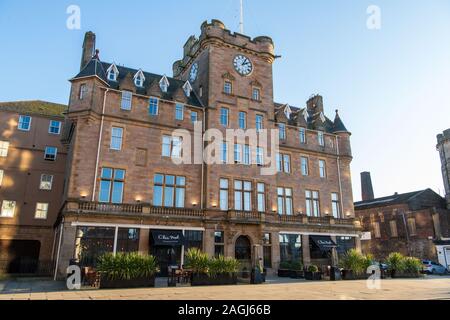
(319, 220)
(109, 207)
(245, 215)
(290, 218)
(164, 211)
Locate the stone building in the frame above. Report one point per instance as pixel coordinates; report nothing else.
(410, 223)
(32, 166)
(125, 193)
(443, 146)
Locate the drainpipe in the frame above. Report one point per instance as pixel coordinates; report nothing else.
(203, 162)
(99, 145)
(339, 177)
(59, 247)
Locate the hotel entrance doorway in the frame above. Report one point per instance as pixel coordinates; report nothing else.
(243, 253)
(166, 246)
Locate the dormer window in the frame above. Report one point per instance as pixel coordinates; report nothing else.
(187, 88)
(164, 84)
(305, 115)
(139, 79)
(113, 72)
(287, 111)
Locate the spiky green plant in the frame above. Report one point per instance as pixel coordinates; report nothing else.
(222, 265)
(394, 261)
(197, 260)
(296, 266)
(126, 266)
(313, 268)
(410, 265)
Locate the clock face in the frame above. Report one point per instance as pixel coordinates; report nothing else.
(193, 73)
(243, 65)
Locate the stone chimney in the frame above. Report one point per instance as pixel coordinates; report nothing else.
(88, 49)
(366, 186)
(443, 146)
(315, 103)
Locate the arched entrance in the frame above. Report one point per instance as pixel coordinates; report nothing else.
(243, 253)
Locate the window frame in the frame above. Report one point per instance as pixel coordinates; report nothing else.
(225, 191)
(224, 115)
(322, 168)
(51, 182)
(83, 91)
(261, 197)
(173, 145)
(2, 174)
(153, 102)
(2, 215)
(126, 102)
(242, 120)
(245, 195)
(228, 87)
(41, 210)
(302, 135)
(283, 165)
(259, 125)
(116, 138)
(46, 153)
(164, 186)
(113, 181)
(258, 94)
(335, 205)
(50, 126)
(284, 197)
(177, 111)
(4, 148)
(321, 138)
(21, 122)
(192, 116)
(282, 131)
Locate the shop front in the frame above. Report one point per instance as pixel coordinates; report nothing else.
(322, 251)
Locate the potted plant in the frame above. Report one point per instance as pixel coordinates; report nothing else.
(313, 273)
(285, 269)
(354, 265)
(410, 267)
(215, 271)
(394, 262)
(127, 270)
(296, 270)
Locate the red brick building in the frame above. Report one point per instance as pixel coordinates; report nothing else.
(124, 193)
(32, 170)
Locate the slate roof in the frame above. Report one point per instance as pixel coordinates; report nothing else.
(400, 198)
(314, 122)
(34, 107)
(95, 67)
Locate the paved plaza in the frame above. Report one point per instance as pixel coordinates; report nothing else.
(428, 288)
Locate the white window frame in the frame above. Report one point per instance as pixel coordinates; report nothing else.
(83, 91)
(21, 122)
(46, 153)
(126, 102)
(256, 94)
(41, 211)
(4, 147)
(154, 99)
(322, 168)
(116, 138)
(304, 166)
(50, 127)
(320, 138)
(194, 114)
(177, 110)
(335, 205)
(224, 191)
(242, 118)
(2, 211)
(41, 187)
(302, 135)
(282, 129)
(228, 87)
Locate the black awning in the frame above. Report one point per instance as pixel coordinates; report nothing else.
(167, 237)
(325, 243)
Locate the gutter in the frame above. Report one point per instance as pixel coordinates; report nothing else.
(99, 146)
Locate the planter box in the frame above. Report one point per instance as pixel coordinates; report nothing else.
(218, 280)
(106, 283)
(398, 275)
(284, 273)
(296, 274)
(313, 275)
(350, 275)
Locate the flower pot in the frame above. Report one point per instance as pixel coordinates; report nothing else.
(202, 279)
(313, 275)
(284, 273)
(142, 282)
(296, 274)
(348, 274)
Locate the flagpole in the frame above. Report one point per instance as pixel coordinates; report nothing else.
(241, 22)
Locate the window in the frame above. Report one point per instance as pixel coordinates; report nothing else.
(335, 208)
(46, 182)
(194, 116)
(83, 91)
(127, 240)
(259, 156)
(192, 239)
(4, 146)
(237, 153)
(139, 81)
(322, 169)
(169, 191)
(50, 153)
(242, 195)
(224, 154)
(219, 243)
(312, 203)
(224, 116)
(376, 230)
(242, 120)
(223, 195)
(412, 226)
(164, 84)
(1, 177)
(256, 94)
(127, 98)
(24, 123)
(179, 112)
(111, 185)
(112, 76)
(259, 122)
(116, 138)
(228, 87)
(171, 146)
(247, 157)
(393, 226)
(41, 211)
(261, 197)
(282, 128)
(54, 127)
(153, 106)
(290, 247)
(304, 166)
(302, 134)
(284, 201)
(283, 163)
(267, 250)
(320, 138)
(8, 209)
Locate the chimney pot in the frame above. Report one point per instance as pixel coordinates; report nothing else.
(366, 187)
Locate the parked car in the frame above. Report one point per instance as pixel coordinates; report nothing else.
(383, 266)
(431, 267)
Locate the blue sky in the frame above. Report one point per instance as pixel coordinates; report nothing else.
(392, 86)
